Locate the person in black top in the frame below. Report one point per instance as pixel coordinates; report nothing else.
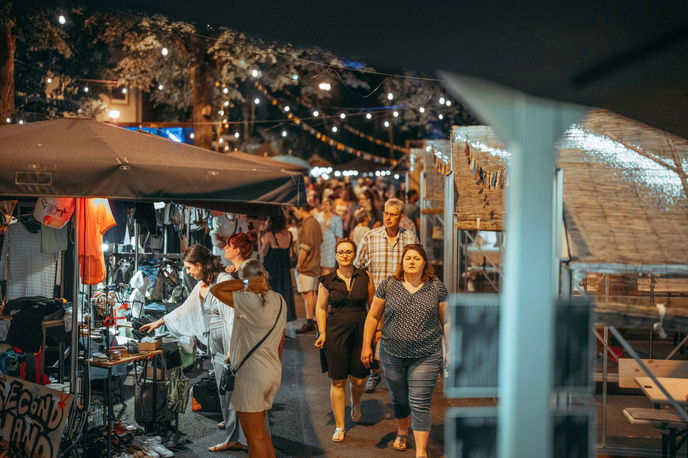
(343, 299)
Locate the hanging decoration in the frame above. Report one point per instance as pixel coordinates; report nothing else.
(323, 137)
(377, 141)
(492, 180)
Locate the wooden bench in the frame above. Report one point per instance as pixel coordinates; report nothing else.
(629, 370)
(671, 425)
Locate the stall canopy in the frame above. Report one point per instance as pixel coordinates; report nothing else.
(268, 161)
(625, 191)
(86, 158)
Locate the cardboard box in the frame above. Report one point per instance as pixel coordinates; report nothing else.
(160, 375)
(150, 346)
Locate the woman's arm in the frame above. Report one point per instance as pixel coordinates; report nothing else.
(321, 315)
(265, 243)
(152, 326)
(371, 325)
(224, 290)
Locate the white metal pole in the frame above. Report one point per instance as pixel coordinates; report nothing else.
(530, 128)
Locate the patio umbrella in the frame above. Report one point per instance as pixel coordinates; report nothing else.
(86, 158)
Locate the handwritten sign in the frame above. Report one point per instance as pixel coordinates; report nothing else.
(32, 417)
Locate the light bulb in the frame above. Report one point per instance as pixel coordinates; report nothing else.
(315, 113)
(49, 80)
(226, 103)
(422, 109)
(441, 100)
(221, 112)
(226, 147)
(21, 121)
(165, 51)
(225, 121)
(124, 90)
(61, 19)
(8, 120)
(369, 116)
(386, 123)
(192, 135)
(254, 73)
(114, 114)
(284, 133)
(334, 129)
(342, 115)
(161, 87)
(221, 140)
(295, 77)
(86, 89)
(448, 103)
(395, 114)
(225, 90)
(287, 108)
(440, 116)
(256, 101)
(325, 86)
(390, 96)
(236, 134)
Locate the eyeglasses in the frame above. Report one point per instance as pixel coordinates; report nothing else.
(342, 253)
(394, 215)
(52, 209)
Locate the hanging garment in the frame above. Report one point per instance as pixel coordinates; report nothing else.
(27, 270)
(53, 240)
(94, 219)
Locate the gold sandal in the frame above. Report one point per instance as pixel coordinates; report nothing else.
(226, 446)
(400, 442)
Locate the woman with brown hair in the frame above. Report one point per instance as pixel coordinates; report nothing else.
(412, 304)
(343, 299)
(203, 316)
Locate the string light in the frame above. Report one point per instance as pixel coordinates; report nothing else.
(225, 90)
(192, 135)
(440, 116)
(448, 103)
(334, 129)
(254, 73)
(369, 116)
(441, 100)
(287, 108)
(226, 148)
(161, 87)
(85, 88)
(164, 51)
(342, 116)
(225, 121)
(422, 109)
(284, 133)
(386, 123)
(295, 77)
(256, 100)
(49, 80)
(221, 112)
(21, 121)
(221, 140)
(316, 113)
(124, 90)
(226, 103)
(61, 19)
(236, 134)
(390, 96)
(325, 86)
(395, 114)
(114, 114)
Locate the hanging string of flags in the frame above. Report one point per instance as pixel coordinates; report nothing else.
(492, 180)
(323, 137)
(377, 141)
(442, 166)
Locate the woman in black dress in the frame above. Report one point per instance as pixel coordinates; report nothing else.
(275, 244)
(343, 299)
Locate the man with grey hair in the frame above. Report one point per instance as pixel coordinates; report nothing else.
(380, 252)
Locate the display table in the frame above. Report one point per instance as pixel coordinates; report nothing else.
(677, 388)
(109, 364)
(45, 325)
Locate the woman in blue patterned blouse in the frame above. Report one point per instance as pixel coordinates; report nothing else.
(411, 304)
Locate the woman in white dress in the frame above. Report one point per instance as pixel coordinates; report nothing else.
(258, 312)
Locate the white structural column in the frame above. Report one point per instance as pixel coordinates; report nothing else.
(530, 128)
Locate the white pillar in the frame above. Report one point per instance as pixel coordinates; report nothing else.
(529, 127)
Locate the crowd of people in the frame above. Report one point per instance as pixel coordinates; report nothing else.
(369, 292)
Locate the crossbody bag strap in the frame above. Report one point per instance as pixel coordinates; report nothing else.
(261, 340)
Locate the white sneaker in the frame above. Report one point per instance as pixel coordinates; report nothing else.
(155, 444)
(144, 444)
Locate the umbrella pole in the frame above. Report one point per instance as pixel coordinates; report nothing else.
(73, 379)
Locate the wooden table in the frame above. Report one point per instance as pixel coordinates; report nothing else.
(677, 388)
(109, 364)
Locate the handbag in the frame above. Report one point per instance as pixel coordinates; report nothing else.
(229, 372)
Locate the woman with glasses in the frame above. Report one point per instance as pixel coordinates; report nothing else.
(343, 299)
(412, 304)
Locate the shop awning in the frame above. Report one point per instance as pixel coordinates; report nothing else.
(86, 158)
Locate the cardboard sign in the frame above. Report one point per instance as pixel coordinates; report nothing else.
(32, 417)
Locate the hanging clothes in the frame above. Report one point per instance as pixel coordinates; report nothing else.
(94, 219)
(27, 270)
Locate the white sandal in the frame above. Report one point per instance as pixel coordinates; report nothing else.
(338, 435)
(356, 413)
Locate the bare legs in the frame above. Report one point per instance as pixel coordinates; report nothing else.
(338, 399)
(258, 437)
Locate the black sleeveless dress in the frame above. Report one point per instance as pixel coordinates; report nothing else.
(276, 262)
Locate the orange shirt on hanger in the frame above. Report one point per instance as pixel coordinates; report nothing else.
(94, 218)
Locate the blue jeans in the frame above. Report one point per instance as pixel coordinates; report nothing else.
(410, 382)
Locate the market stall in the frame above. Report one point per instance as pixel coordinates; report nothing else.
(93, 161)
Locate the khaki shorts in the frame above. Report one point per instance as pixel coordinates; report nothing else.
(305, 283)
